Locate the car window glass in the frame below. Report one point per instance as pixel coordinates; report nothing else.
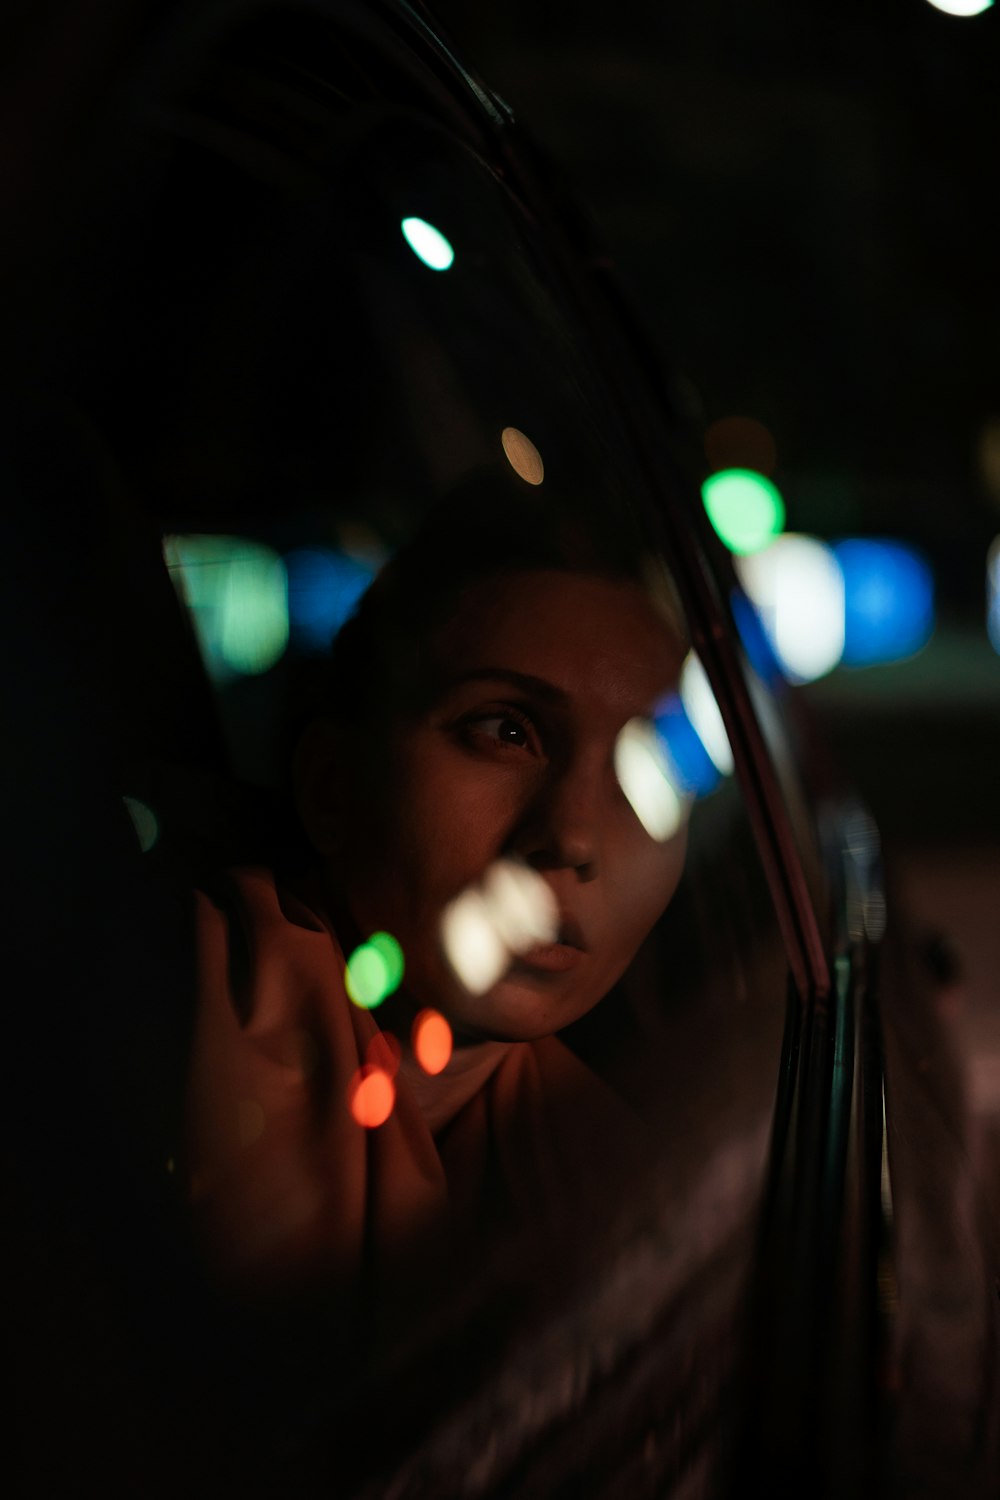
(352, 428)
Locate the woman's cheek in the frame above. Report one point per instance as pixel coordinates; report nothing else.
(654, 874)
(458, 816)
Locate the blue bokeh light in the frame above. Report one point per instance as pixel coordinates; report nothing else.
(324, 588)
(756, 641)
(695, 770)
(888, 600)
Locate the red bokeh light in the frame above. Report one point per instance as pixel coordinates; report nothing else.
(371, 1096)
(432, 1041)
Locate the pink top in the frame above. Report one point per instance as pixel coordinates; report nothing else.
(287, 1187)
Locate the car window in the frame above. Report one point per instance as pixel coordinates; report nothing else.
(425, 781)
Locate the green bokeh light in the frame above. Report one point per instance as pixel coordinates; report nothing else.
(745, 508)
(236, 591)
(374, 970)
(391, 954)
(428, 244)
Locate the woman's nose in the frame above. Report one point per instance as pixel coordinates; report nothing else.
(561, 829)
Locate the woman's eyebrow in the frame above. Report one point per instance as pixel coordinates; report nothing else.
(543, 689)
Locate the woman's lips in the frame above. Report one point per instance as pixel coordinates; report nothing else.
(553, 957)
(549, 958)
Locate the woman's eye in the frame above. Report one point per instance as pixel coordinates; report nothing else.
(502, 730)
(508, 731)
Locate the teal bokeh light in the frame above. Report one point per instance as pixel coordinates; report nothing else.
(144, 821)
(428, 244)
(236, 592)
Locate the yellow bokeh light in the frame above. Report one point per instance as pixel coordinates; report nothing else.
(522, 455)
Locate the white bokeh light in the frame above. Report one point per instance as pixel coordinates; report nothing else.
(798, 588)
(961, 7)
(428, 244)
(482, 930)
(522, 905)
(472, 944)
(703, 711)
(645, 776)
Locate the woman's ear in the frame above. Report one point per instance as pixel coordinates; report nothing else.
(319, 778)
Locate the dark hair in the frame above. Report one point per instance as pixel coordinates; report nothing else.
(492, 524)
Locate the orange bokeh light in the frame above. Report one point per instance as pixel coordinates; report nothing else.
(384, 1051)
(432, 1041)
(371, 1096)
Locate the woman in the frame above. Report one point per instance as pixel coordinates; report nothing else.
(471, 747)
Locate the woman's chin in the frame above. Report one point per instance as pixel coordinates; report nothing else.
(529, 1002)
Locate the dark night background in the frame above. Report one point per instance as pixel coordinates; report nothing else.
(800, 201)
(800, 198)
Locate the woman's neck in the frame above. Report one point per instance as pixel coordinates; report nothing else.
(441, 1096)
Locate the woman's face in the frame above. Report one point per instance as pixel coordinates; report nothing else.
(533, 678)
